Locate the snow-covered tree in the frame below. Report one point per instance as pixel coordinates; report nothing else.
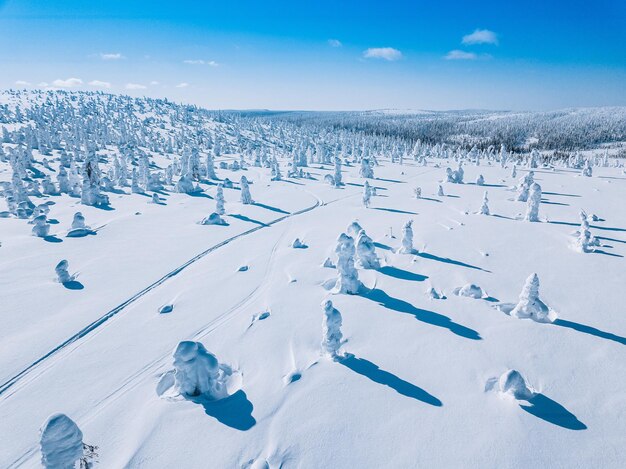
(197, 372)
(331, 331)
(440, 192)
(41, 226)
(484, 209)
(246, 197)
(529, 304)
(90, 192)
(534, 200)
(63, 276)
(337, 174)
(366, 252)
(367, 194)
(524, 186)
(210, 166)
(407, 238)
(585, 242)
(185, 185)
(366, 170)
(219, 200)
(347, 275)
(354, 229)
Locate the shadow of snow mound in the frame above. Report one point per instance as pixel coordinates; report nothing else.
(541, 406)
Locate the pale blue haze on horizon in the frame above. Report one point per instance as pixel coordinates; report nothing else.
(325, 55)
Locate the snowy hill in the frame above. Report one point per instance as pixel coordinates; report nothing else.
(413, 371)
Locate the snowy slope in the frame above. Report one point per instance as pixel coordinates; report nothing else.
(413, 391)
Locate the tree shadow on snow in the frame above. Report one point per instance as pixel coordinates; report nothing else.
(361, 185)
(382, 246)
(611, 239)
(106, 208)
(541, 406)
(395, 181)
(234, 411)
(401, 274)
(395, 210)
(548, 202)
(590, 330)
(423, 315)
(605, 228)
(562, 195)
(447, 260)
(373, 372)
(269, 207)
(200, 195)
(73, 285)
(251, 220)
(600, 251)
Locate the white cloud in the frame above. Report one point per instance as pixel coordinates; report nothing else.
(43, 84)
(112, 56)
(69, 83)
(460, 55)
(481, 36)
(154, 83)
(134, 86)
(386, 53)
(182, 85)
(212, 63)
(22, 83)
(100, 84)
(334, 43)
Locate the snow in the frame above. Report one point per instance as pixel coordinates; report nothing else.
(61, 442)
(409, 391)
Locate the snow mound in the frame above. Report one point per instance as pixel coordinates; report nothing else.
(214, 219)
(470, 290)
(297, 244)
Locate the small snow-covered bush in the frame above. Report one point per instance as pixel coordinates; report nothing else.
(512, 383)
(61, 442)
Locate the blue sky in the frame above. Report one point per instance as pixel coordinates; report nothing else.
(325, 54)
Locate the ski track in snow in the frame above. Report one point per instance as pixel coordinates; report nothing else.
(4, 387)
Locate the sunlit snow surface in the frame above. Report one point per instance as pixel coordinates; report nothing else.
(415, 387)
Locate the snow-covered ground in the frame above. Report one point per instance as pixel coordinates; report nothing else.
(416, 384)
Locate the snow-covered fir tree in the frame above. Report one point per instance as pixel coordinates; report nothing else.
(331, 331)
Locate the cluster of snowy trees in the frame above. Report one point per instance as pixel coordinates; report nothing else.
(568, 130)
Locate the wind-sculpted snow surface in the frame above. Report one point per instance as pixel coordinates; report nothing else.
(158, 224)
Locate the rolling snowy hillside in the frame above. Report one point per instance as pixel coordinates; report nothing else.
(433, 313)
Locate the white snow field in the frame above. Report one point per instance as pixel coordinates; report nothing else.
(422, 377)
